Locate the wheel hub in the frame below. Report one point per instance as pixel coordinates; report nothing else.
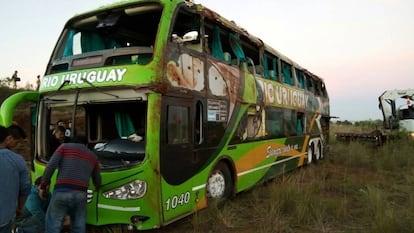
(216, 185)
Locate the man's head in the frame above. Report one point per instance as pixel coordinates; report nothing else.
(61, 123)
(16, 135)
(43, 193)
(59, 133)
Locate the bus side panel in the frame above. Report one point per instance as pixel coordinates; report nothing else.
(258, 161)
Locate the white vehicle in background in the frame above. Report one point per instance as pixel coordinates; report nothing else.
(398, 118)
(398, 110)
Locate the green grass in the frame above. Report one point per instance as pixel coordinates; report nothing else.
(356, 188)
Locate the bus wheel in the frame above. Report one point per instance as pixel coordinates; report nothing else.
(310, 154)
(315, 154)
(219, 186)
(320, 150)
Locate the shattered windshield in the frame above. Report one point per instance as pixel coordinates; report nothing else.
(116, 136)
(120, 36)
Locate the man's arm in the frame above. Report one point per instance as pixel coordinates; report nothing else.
(50, 168)
(20, 206)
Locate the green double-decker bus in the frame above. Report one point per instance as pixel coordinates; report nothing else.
(182, 107)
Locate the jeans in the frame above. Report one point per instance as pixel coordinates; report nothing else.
(29, 224)
(72, 203)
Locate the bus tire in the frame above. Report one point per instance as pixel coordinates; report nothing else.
(315, 154)
(219, 186)
(320, 148)
(311, 151)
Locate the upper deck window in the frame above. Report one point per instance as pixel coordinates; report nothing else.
(122, 36)
(287, 73)
(300, 79)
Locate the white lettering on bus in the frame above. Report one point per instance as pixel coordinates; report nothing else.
(50, 81)
(274, 152)
(177, 201)
(94, 76)
(281, 95)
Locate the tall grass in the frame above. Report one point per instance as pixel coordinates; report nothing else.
(357, 188)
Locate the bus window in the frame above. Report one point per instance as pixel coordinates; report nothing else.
(275, 72)
(178, 125)
(253, 122)
(266, 65)
(187, 30)
(60, 116)
(318, 88)
(219, 45)
(252, 54)
(250, 127)
(287, 73)
(301, 79)
(236, 47)
(270, 66)
(289, 120)
(112, 34)
(323, 89)
(274, 122)
(299, 123)
(198, 124)
(123, 121)
(214, 46)
(309, 83)
(241, 132)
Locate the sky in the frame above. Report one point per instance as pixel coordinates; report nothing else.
(359, 47)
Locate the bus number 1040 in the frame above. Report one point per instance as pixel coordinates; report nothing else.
(177, 200)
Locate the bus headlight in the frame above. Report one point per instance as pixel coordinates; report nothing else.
(133, 190)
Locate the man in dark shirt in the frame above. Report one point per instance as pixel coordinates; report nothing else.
(17, 134)
(15, 79)
(57, 138)
(76, 164)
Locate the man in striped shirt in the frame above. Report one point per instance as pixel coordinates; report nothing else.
(76, 164)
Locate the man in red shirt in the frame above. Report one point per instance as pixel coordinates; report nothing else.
(76, 164)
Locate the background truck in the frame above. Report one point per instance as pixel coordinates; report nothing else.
(398, 117)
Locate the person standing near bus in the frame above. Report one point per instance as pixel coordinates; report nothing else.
(14, 182)
(16, 134)
(76, 164)
(37, 82)
(56, 139)
(15, 79)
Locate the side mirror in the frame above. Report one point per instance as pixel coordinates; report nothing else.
(189, 36)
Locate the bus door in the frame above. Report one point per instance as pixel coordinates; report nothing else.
(177, 156)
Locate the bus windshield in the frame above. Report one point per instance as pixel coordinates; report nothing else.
(115, 135)
(116, 37)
